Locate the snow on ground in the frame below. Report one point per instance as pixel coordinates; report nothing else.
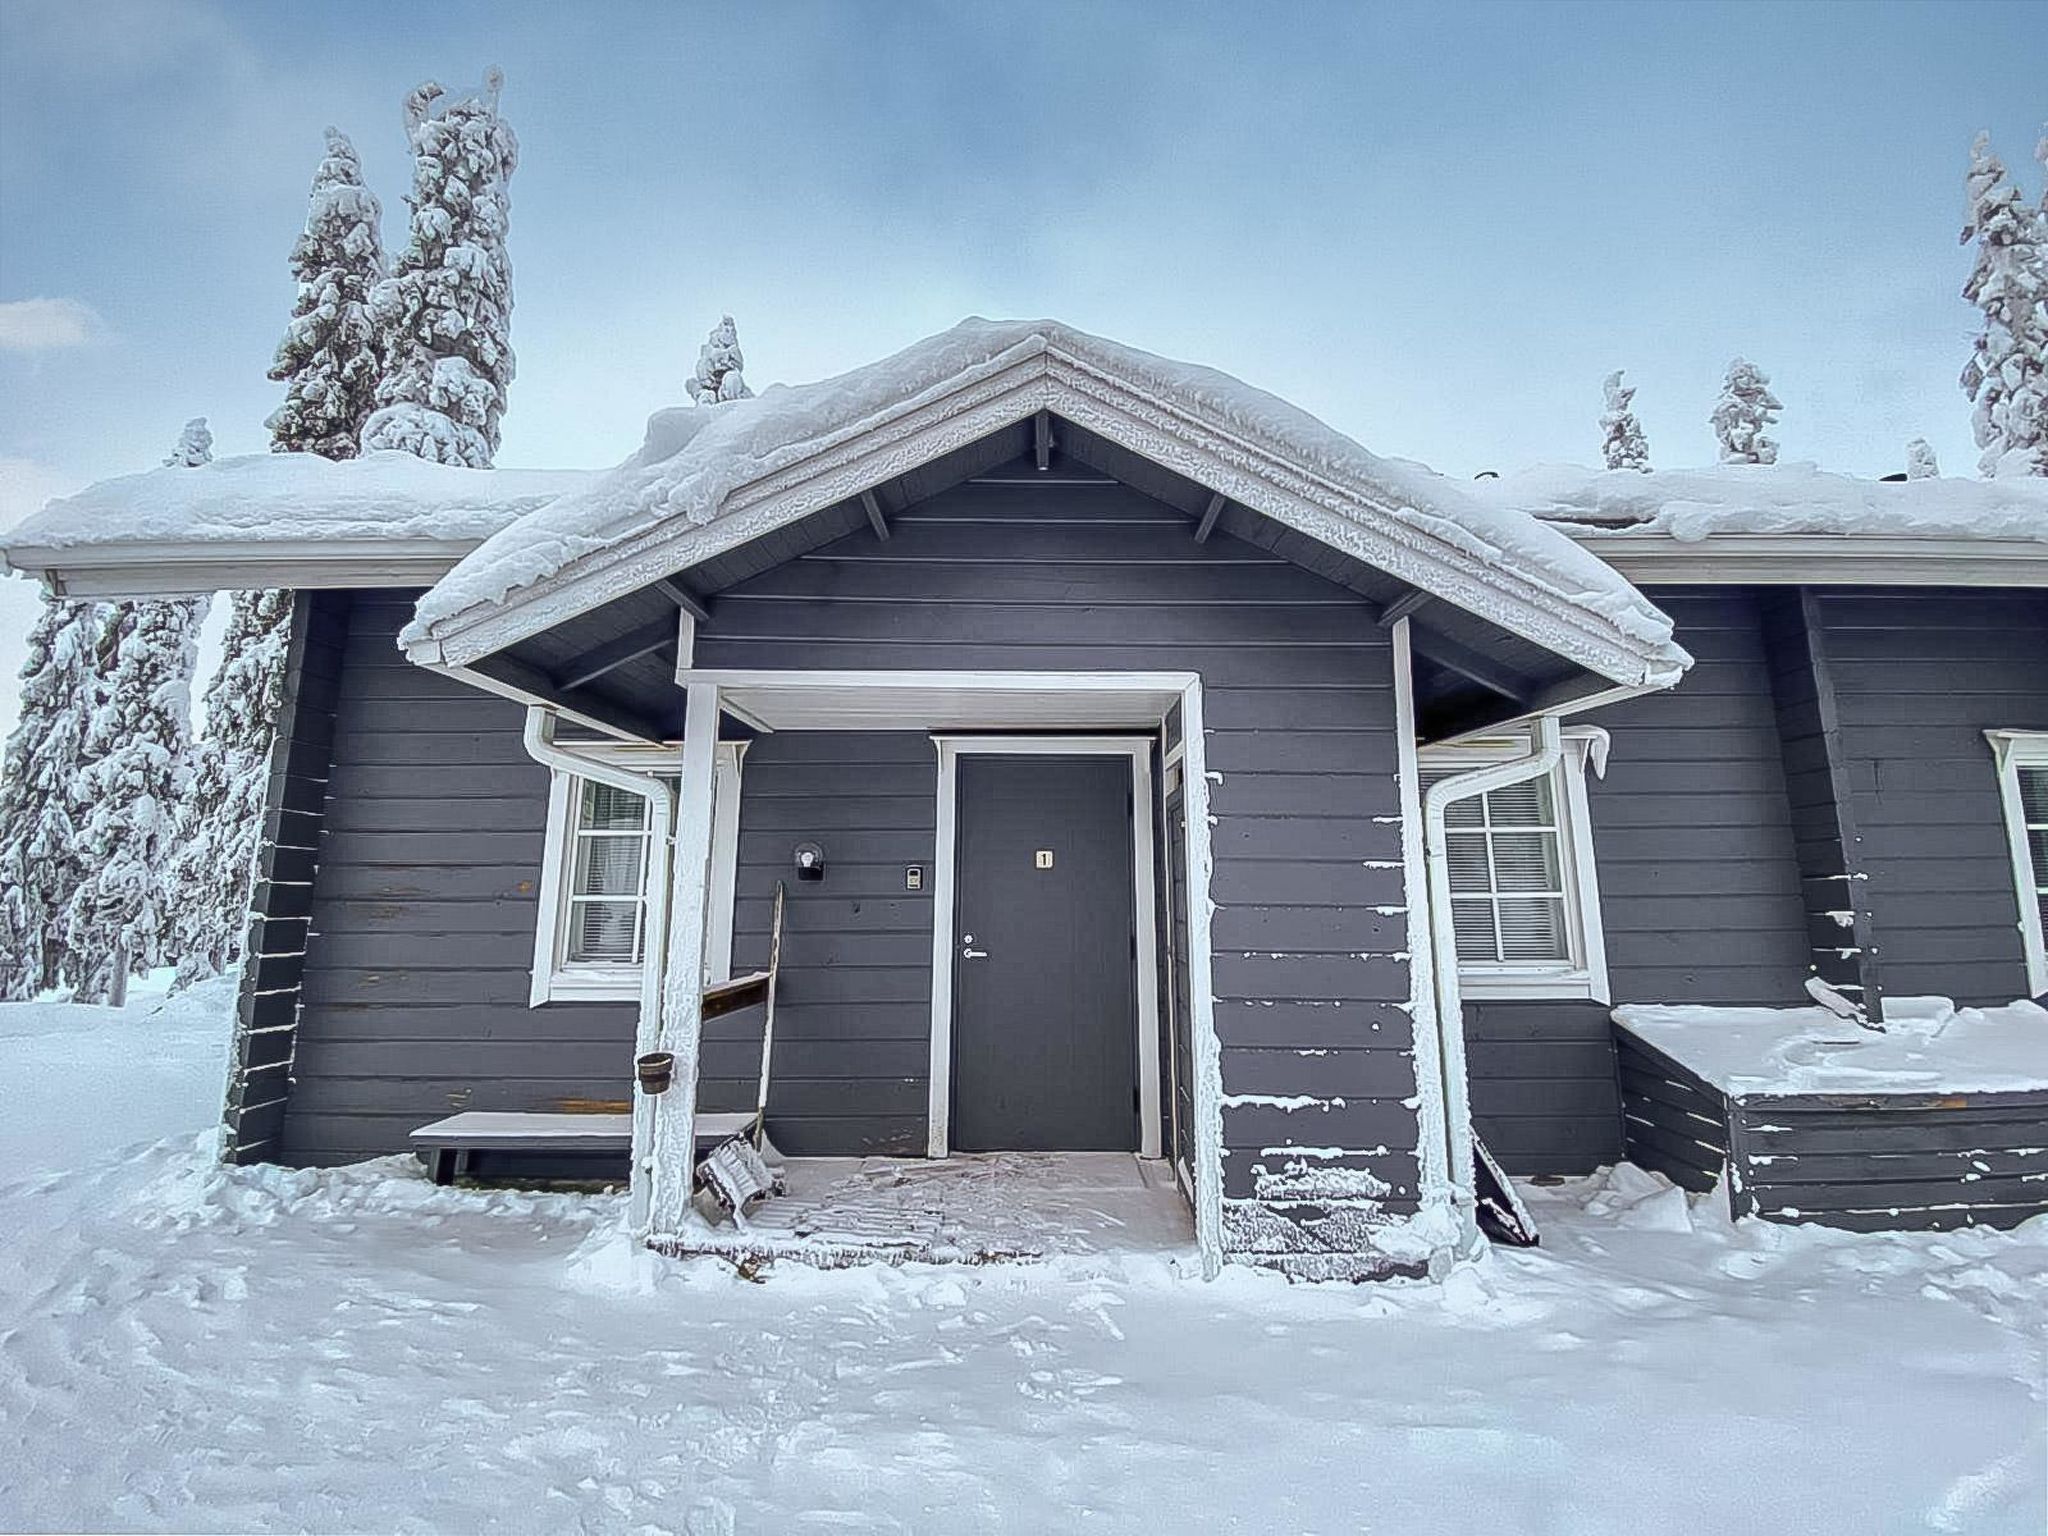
(1928, 1045)
(185, 1347)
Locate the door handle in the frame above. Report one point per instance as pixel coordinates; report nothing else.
(971, 953)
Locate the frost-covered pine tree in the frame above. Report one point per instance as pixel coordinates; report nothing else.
(222, 813)
(446, 309)
(329, 360)
(719, 364)
(1920, 463)
(133, 774)
(1746, 408)
(41, 801)
(2007, 374)
(1622, 435)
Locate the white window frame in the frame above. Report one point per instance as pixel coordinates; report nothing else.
(1585, 977)
(554, 978)
(2013, 751)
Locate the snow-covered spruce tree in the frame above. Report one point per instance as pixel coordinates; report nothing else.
(1920, 463)
(446, 310)
(221, 820)
(133, 772)
(1746, 408)
(329, 361)
(2007, 374)
(1622, 437)
(40, 801)
(719, 364)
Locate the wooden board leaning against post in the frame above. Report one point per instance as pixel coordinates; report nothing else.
(734, 1170)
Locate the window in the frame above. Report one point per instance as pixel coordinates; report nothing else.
(590, 935)
(2023, 785)
(1525, 908)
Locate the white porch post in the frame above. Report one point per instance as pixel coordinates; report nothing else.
(682, 986)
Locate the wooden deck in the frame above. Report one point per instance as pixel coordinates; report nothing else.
(1862, 1161)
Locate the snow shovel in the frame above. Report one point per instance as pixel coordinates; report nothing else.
(734, 1170)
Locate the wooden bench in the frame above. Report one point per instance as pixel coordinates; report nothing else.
(450, 1145)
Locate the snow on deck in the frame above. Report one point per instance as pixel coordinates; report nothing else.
(1928, 1046)
(1782, 499)
(293, 498)
(971, 1208)
(185, 1346)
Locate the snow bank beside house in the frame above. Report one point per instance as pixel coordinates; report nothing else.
(695, 459)
(1928, 1046)
(1694, 504)
(296, 497)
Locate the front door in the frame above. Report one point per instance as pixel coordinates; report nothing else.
(1045, 976)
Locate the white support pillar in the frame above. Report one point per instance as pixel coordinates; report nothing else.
(682, 986)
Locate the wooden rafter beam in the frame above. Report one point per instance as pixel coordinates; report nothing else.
(1207, 526)
(672, 588)
(1404, 605)
(876, 521)
(1041, 429)
(1473, 666)
(581, 671)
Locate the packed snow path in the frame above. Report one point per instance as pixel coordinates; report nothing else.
(188, 1347)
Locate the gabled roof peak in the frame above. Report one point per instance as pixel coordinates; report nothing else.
(706, 480)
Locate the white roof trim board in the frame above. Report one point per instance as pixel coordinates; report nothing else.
(711, 478)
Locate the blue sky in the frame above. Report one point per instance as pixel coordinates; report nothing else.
(1435, 226)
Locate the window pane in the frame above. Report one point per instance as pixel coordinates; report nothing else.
(2034, 796)
(1520, 805)
(1525, 861)
(1532, 928)
(606, 809)
(2037, 841)
(1472, 924)
(1463, 813)
(608, 866)
(604, 931)
(1467, 861)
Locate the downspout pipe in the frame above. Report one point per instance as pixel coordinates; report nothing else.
(1546, 749)
(660, 794)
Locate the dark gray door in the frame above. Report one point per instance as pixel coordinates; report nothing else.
(1044, 975)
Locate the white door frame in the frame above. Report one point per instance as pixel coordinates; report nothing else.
(1145, 913)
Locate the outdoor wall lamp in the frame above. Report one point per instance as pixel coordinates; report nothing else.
(810, 862)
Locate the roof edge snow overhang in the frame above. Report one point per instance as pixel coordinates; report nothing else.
(1356, 518)
(1817, 559)
(164, 568)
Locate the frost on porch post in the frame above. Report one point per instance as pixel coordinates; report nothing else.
(670, 1160)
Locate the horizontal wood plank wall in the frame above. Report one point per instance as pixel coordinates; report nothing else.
(422, 917)
(1699, 892)
(1893, 1162)
(1076, 573)
(853, 998)
(1920, 675)
(280, 901)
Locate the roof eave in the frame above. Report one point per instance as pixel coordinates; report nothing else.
(1819, 559)
(1257, 475)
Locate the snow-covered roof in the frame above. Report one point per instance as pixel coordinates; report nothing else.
(709, 478)
(1771, 499)
(1928, 1046)
(190, 525)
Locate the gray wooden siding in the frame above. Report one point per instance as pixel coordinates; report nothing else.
(1085, 574)
(1865, 1162)
(1699, 891)
(422, 912)
(1919, 676)
(267, 1004)
(853, 1000)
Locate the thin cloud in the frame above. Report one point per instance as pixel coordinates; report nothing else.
(48, 325)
